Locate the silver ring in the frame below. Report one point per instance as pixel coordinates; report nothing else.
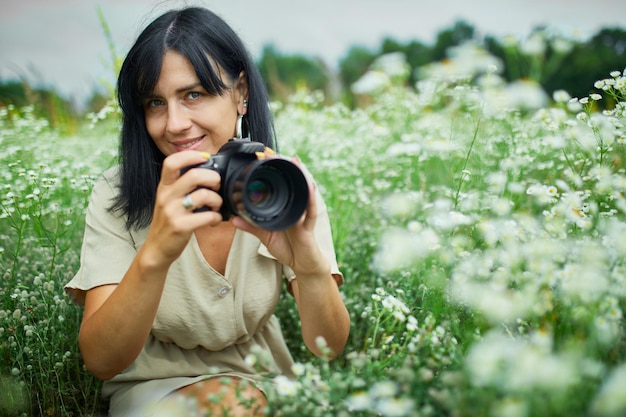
(187, 202)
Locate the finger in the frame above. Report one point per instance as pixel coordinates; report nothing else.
(202, 199)
(196, 219)
(310, 215)
(174, 163)
(269, 152)
(242, 224)
(196, 209)
(197, 178)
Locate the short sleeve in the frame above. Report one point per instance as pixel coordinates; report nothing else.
(108, 247)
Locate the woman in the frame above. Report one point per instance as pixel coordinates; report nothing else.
(175, 299)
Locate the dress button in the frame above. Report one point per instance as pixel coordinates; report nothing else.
(223, 291)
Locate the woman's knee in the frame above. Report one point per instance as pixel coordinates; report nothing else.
(220, 396)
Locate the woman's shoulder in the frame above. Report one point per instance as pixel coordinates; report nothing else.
(105, 187)
(107, 181)
(111, 175)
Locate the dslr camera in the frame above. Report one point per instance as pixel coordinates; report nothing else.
(272, 193)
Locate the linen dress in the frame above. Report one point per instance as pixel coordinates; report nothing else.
(206, 323)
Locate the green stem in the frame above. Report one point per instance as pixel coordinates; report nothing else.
(465, 162)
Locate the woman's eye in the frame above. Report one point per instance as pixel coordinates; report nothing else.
(154, 103)
(193, 95)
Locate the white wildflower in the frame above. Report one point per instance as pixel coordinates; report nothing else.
(359, 401)
(610, 401)
(395, 407)
(383, 389)
(510, 407)
(298, 369)
(371, 82)
(534, 45)
(400, 205)
(286, 387)
(251, 360)
(561, 96)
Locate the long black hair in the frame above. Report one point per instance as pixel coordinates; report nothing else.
(201, 36)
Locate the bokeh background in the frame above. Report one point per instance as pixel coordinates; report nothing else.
(61, 44)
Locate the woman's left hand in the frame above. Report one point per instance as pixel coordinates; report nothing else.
(320, 305)
(296, 246)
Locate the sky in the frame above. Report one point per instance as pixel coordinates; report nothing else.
(61, 43)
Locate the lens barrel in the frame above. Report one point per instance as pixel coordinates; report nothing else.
(271, 193)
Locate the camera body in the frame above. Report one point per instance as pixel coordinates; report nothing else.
(269, 192)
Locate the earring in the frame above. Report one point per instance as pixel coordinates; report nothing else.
(238, 133)
(241, 130)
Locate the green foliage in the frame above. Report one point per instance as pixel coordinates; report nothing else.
(555, 60)
(571, 69)
(46, 103)
(590, 61)
(459, 33)
(480, 230)
(45, 185)
(116, 59)
(286, 73)
(417, 54)
(13, 92)
(353, 66)
(481, 247)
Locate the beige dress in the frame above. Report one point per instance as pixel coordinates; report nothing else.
(207, 323)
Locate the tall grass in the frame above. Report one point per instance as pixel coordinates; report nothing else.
(46, 181)
(480, 229)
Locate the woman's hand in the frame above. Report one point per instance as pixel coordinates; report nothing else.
(320, 305)
(172, 222)
(118, 318)
(296, 246)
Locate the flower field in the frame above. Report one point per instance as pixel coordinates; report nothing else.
(480, 225)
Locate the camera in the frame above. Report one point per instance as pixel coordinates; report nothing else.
(272, 193)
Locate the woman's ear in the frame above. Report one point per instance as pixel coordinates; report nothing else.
(242, 93)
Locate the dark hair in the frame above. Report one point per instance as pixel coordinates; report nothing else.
(201, 36)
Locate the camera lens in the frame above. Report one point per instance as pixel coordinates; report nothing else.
(259, 192)
(273, 193)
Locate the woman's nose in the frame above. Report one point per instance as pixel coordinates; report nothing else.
(177, 119)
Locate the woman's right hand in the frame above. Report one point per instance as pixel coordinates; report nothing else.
(172, 223)
(118, 318)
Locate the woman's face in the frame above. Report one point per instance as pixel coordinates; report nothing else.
(181, 115)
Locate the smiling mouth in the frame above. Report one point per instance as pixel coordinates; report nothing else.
(187, 144)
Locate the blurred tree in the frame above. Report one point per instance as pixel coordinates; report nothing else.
(12, 92)
(46, 102)
(560, 63)
(495, 47)
(358, 59)
(286, 73)
(417, 54)
(352, 66)
(460, 32)
(538, 57)
(589, 62)
(97, 100)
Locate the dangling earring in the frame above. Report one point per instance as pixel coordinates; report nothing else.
(239, 128)
(242, 131)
